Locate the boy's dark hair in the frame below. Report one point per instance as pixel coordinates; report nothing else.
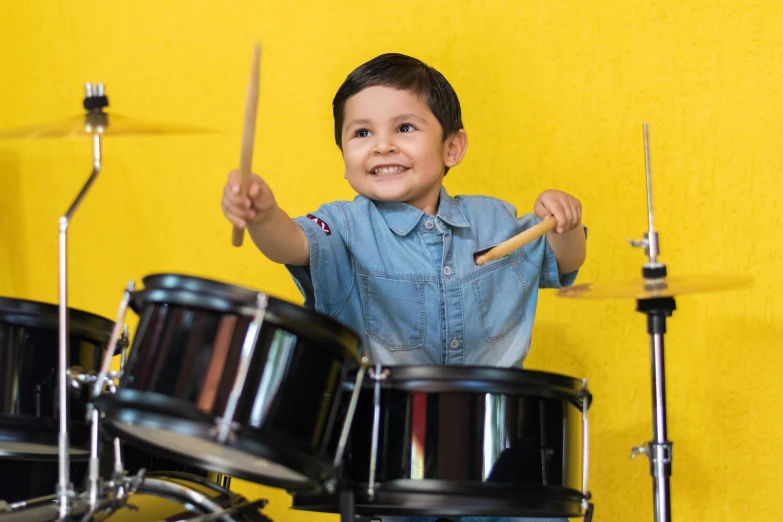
(401, 72)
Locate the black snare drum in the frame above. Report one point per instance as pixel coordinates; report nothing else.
(470, 441)
(161, 496)
(28, 377)
(186, 394)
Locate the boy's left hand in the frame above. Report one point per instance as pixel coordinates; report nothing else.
(566, 209)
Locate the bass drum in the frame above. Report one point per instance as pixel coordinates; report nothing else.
(162, 496)
(472, 441)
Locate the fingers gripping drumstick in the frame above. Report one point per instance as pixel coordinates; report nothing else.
(518, 241)
(248, 136)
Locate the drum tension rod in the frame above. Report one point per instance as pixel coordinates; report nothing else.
(377, 375)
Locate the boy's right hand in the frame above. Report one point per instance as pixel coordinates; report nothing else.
(244, 208)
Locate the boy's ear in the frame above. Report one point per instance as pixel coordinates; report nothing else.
(456, 146)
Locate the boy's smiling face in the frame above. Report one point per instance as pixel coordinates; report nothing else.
(394, 150)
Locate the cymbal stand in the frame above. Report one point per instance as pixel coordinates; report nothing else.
(659, 450)
(94, 102)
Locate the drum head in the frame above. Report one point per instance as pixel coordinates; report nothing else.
(207, 294)
(211, 455)
(45, 316)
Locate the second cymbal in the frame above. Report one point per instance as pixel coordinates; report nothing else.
(102, 123)
(669, 286)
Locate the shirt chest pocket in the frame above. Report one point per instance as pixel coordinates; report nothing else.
(394, 312)
(500, 296)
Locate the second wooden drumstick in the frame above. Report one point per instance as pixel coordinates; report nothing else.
(518, 241)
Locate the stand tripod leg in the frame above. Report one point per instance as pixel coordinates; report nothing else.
(659, 450)
(347, 506)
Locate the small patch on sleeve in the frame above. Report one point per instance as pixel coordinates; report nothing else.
(321, 223)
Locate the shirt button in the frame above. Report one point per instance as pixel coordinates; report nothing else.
(454, 344)
(447, 270)
(429, 224)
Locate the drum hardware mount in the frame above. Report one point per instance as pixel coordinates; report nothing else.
(201, 500)
(118, 491)
(217, 515)
(117, 341)
(123, 345)
(80, 379)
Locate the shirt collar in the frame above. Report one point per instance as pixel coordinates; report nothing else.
(403, 218)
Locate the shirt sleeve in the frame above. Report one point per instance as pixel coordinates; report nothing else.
(327, 281)
(550, 276)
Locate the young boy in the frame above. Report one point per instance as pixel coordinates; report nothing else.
(397, 263)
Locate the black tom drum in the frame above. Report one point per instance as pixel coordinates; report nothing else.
(29, 377)
(204, 384)
(465, 441)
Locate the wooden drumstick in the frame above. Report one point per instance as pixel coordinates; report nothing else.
(248, 136)
(518, 241)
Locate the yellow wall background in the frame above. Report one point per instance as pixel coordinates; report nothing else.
(554, 94)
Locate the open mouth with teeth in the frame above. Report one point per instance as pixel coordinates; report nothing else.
(388, 169)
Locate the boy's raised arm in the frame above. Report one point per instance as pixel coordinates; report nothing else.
(272, 230)
(568, 241)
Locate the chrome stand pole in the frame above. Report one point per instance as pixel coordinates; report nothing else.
(64, 487)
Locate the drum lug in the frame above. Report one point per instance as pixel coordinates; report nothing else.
(587, 507)
(224, 431)
(330, 486)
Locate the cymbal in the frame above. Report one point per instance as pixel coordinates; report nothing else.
(643, 289)
(105, 124)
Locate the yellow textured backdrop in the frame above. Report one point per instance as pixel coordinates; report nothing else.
(554, 94)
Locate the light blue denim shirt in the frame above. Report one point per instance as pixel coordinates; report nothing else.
(408, 284)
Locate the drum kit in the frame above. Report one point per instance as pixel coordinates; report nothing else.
(222, 381)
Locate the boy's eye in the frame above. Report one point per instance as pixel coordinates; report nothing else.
(406, 127)
(361, 133)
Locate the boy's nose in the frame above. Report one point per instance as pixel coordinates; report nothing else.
(384, 145)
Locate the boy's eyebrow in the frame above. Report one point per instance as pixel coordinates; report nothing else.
(408, 116)
(364, 121)
(358, 122)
